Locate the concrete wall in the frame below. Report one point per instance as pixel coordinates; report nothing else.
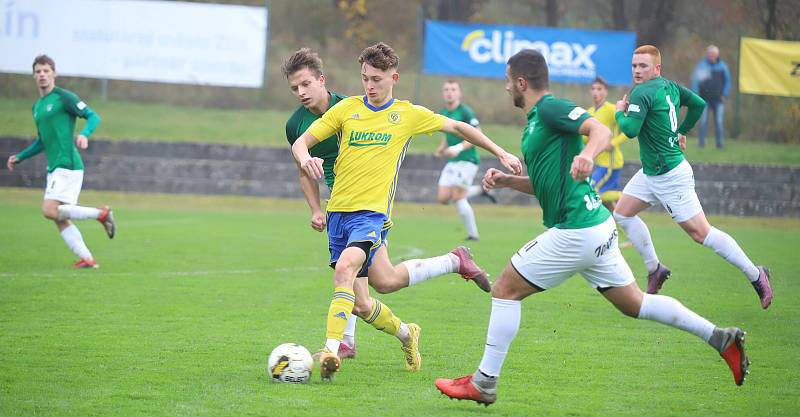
(225, 169)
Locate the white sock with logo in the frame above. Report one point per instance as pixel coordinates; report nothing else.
(639, 236)
(726, 247)
(467, 216)
(350, 331)
(503, 327)
(420, 270)
(69, 211)
(74, 241)
(669, 311)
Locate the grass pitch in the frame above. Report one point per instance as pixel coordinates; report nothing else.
(194, 292)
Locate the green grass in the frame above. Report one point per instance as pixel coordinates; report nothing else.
(154, 122)
(194, 292)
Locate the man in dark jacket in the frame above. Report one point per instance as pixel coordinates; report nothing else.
(711, 80)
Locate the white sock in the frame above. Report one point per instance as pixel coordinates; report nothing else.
(333, 345)
(467, 216)
(639, 236)
(671, 312)
(350, 331)
(403, 334)
(68, 211)
(726, 247)
(503, 326)
(474, 190)
(74, 240)
(420, 270)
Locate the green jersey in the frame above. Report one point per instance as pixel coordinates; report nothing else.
(54, 115)
(549, 144)
(656, 103)
(327, 150)
(462, 113)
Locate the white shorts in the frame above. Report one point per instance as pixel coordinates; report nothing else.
(458, 174)
(557, 254)
(674, 190)
(64, 185)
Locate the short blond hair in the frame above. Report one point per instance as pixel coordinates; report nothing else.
(649, 50)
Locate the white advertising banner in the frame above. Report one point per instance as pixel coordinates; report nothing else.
(162, 41)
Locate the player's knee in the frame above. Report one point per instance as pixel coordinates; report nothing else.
(50, 213)
(697, 237)
(444, 199)
(383, 287)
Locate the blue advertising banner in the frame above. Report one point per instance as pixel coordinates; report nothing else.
(482, 50)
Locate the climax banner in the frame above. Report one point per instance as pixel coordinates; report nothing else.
(769, 67)
(162, 41)
(576, 56)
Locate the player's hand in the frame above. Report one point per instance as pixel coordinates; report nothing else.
(511, 163)
(682, 142)
(451, 151)
(313, 167)
(82, 142)
(318, 221)
(12, 160)
(439, 152)
(622, 104)
(581, 167)
(493, 179)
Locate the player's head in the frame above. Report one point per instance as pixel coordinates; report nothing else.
(451, 93)
(646, 63)
(379, 72)
(712, 53)
(44, 71)
(526, 72)
(303, 72)
(599, 90)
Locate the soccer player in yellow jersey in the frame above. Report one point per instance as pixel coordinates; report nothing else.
(374, 131)
(608, 165)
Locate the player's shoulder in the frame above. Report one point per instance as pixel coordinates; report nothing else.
(467, 109)
(65, 94)
(296, 117)
(650, 86)
(551, 106)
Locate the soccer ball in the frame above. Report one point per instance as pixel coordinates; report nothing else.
(290, 363)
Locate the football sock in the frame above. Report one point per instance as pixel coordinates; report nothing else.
(503, 326)
(68, 211)
(671, 312)
(350, 331)
(338, 315)
(74, 240)
(483, 382)
(382, 318)
(420, 270)
(467, 216)
(403, 334)
(726, 247)
(639, 236)
(474, 190)
(719, 339)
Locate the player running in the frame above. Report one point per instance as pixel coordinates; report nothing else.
(375, 131)
(304, 74)
(581, 236)
(666, 177)
(54, 114)
(455, 182)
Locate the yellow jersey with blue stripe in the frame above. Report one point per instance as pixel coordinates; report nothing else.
(372, 144)
(605, 114)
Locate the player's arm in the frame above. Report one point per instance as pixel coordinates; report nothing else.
(311, 166)
(34, 149)
(495, 178)
(599, 138)
(310, 188)
(628, 124)
(477, 138)
(439, 152)
(75, 106)
(695, 106)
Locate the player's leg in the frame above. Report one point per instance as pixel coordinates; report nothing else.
(729, 342)
(636, 197)
(677, 193)
(537, 266)
(719, 111)
(64, 187)
(461, 183)
(701, 231)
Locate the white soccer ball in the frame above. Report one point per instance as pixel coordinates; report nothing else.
(290, 363)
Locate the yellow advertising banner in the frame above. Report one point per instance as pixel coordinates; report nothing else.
(769, 67)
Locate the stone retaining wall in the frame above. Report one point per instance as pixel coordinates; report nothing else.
(189, 168)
